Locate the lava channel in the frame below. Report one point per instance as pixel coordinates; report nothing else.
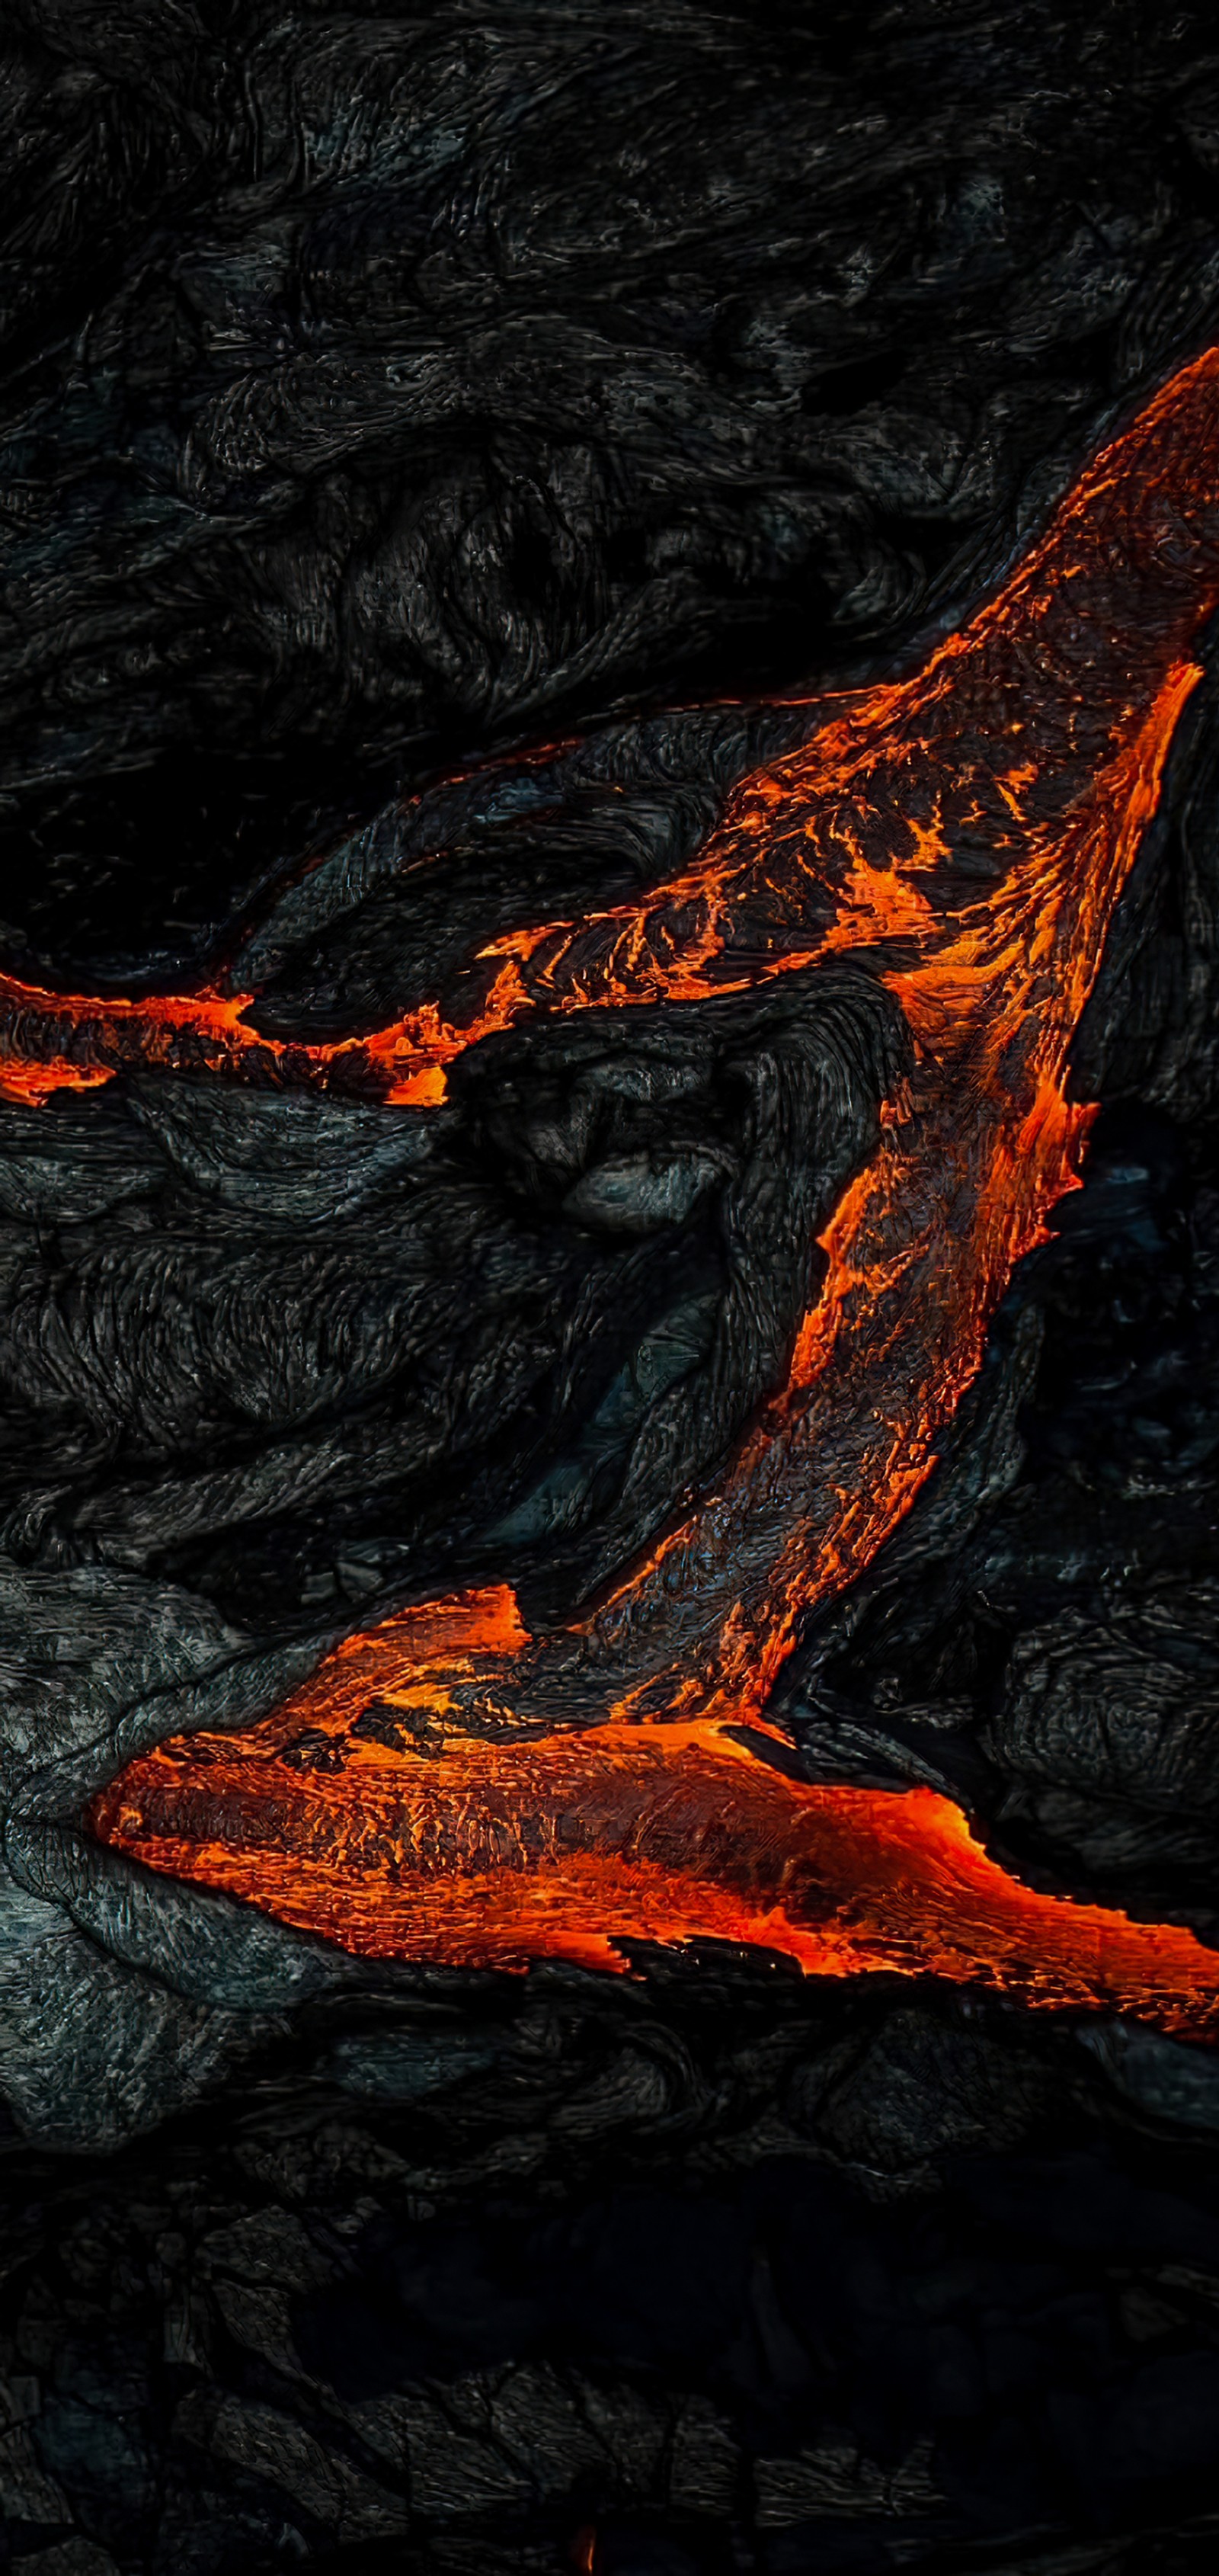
(964, 837)
(358, 1811)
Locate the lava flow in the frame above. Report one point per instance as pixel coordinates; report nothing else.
(358, 1812)
(963, 836)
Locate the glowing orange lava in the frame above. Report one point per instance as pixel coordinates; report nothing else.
(405, 1837)
(964, 835)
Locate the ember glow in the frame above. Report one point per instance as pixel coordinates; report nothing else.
(964, 835)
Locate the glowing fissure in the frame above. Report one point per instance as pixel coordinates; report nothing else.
(1025, 758)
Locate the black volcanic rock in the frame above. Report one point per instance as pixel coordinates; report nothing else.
(388, 395)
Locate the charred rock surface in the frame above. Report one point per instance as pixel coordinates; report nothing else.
(746, 2278)
(380, 384)
(381, 396)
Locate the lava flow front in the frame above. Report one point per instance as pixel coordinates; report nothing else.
(357, 1811)
(963, 837)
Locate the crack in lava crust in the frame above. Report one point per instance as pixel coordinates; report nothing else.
(965, 836)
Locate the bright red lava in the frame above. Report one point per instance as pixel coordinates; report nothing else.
(964, 835)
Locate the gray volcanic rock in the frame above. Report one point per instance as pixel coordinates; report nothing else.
(441, 454)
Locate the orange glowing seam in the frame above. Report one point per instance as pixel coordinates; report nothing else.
(31, 1080)
(1027, 755)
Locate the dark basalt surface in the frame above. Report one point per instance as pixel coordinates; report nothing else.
(383, 395)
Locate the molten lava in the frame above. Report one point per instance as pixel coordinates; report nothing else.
(359, 1812)
(964, 835)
